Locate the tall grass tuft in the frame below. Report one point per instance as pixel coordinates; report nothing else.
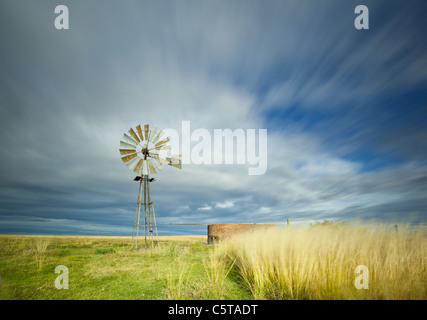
(216, 269)
(40, 247)
(320, 262)
(175, 282)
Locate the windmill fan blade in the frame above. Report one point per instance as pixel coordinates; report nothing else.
(138, 128)
(157, 164)
(162, 160)
(129, 139)
(150, 165)
(138, 166)
(124, 151)
(146, 127)
(131, 164)
(152, 133)
(125, 145)
(129, 157)
(158, 136)
(133, 134)
(163, 147)
(162, 142)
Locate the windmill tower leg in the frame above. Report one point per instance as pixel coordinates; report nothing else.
(153, 215)
(145, 204)
(145, 209)
(137, 217)
(149, 215)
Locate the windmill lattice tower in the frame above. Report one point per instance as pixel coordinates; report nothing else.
(145, 152)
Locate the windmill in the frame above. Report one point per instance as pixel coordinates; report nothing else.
(145, 152)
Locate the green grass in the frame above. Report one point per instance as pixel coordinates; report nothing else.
(108, 269)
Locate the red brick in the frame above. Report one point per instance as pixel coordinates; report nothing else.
(220, 231)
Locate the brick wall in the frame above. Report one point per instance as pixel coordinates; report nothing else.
(219, 231)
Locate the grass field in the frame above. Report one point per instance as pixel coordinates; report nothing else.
(106, 268)
(297, 263)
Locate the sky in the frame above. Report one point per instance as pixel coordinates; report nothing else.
(345, 111)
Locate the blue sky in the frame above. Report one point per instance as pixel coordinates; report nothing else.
(345, 111)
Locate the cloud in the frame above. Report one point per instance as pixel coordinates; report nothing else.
(343, 109)
(225, 204)
(205, 208)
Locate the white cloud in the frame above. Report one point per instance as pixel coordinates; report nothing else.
(205, 208)
(225, 204)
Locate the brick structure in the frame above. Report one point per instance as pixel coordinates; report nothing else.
(219, 231)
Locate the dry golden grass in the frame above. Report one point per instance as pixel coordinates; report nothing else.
(320, 262)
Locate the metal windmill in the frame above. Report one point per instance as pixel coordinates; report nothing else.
(145, 153)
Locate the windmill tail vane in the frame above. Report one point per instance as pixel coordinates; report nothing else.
(145, 151)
